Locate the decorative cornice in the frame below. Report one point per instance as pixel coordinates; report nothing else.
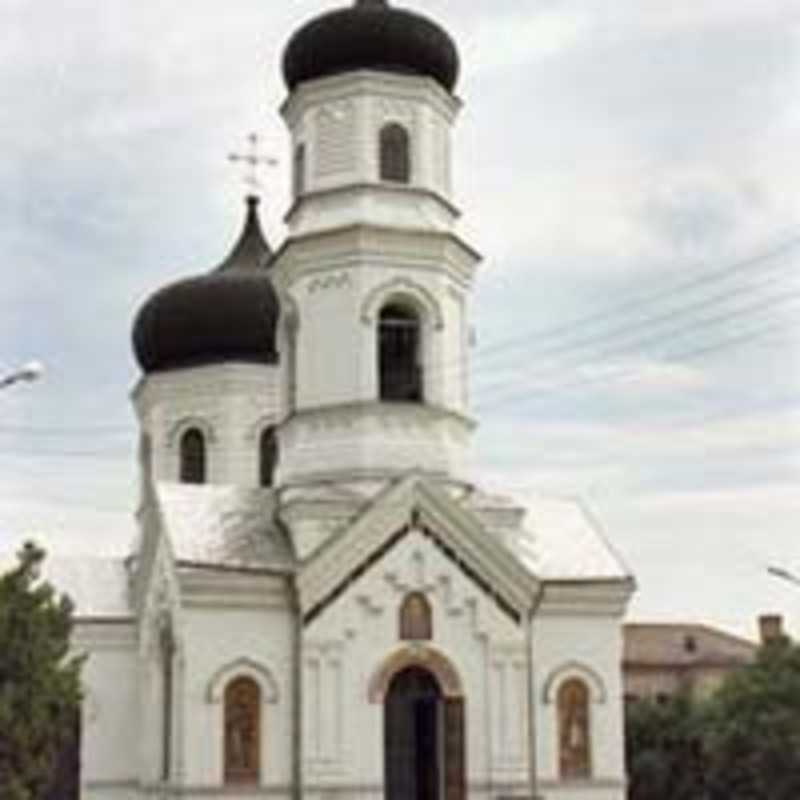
(586, 596)
(362, 246)
(377, 84)
(414, 412)
(371, 187)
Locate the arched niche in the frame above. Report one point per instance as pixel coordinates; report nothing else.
(569, 671)
(243, 668)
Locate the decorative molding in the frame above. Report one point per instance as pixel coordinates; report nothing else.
(415, 655)
(574, 669)
(179, 427)
(396, 110)
(243, 668)
(255, 430)
(328, 282)
(403, 288)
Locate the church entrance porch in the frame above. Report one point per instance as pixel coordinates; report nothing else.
(423, 739)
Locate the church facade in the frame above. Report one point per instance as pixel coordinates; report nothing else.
(321, 603)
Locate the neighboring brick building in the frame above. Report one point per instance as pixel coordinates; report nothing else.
(661, 659)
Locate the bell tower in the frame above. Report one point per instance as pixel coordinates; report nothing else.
(377, 277)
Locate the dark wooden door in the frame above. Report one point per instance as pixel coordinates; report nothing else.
(455, 784)
(412, 734)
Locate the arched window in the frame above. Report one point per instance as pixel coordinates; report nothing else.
(395, 147)
(268, 456)
(416, 620)
(400, 374)
(242, 732)
(299, 170)
(574, 737)
(193, 457)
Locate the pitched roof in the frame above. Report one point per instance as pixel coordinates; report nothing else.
(223, 526)
(414, 502)
(681, 645)
(563, 541)
(98, 587)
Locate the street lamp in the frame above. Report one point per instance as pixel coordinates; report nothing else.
(25, 374)
(784, 574)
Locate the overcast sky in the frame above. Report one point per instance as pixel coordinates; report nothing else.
(629, 168)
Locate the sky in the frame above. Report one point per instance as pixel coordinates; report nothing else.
(628, 169)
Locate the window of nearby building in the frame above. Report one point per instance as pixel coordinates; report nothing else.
(395, 154)
(573, 729)
(299, 170)
(242, 731)
(400, 374)
(268, 456)
(193, 457)
(416, 620)
(690, 644)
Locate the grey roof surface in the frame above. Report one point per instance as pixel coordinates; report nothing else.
(561, 541)
(97, 586)
(223, 526)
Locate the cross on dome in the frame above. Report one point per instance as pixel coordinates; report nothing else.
(252, 160)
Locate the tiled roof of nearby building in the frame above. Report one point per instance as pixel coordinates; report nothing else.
(676, 645)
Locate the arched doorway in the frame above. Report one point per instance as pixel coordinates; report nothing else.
(424, 739)
(413, 732)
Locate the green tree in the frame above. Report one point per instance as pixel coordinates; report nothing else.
(753, 730)
(39, 680)
(665, 752)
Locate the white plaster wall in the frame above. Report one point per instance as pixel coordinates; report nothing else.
(232, 403)
(110, 719)
(345, 646)
(214, 639)
(339, 119)
(562, 641)
(338, 311)
(337, 367)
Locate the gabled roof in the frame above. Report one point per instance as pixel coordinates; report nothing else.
(222, 526)
(563, 542)
(413, 503)
(683, 645)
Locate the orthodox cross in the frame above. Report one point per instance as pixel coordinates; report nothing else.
(252, 160)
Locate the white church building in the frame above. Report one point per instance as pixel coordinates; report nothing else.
(321, 604)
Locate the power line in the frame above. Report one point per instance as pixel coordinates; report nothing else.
(649, 298)
(540, 336)
(626, 347)
(682, 356)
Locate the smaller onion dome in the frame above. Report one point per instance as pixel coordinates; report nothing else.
(229, 314)
(371, 35)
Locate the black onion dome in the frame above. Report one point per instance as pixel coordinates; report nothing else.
(230, 314)
(371, 35)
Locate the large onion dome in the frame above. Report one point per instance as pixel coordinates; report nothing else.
(229, 314)
(371, 35)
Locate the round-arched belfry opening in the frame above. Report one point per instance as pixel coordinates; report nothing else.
(423, 739)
